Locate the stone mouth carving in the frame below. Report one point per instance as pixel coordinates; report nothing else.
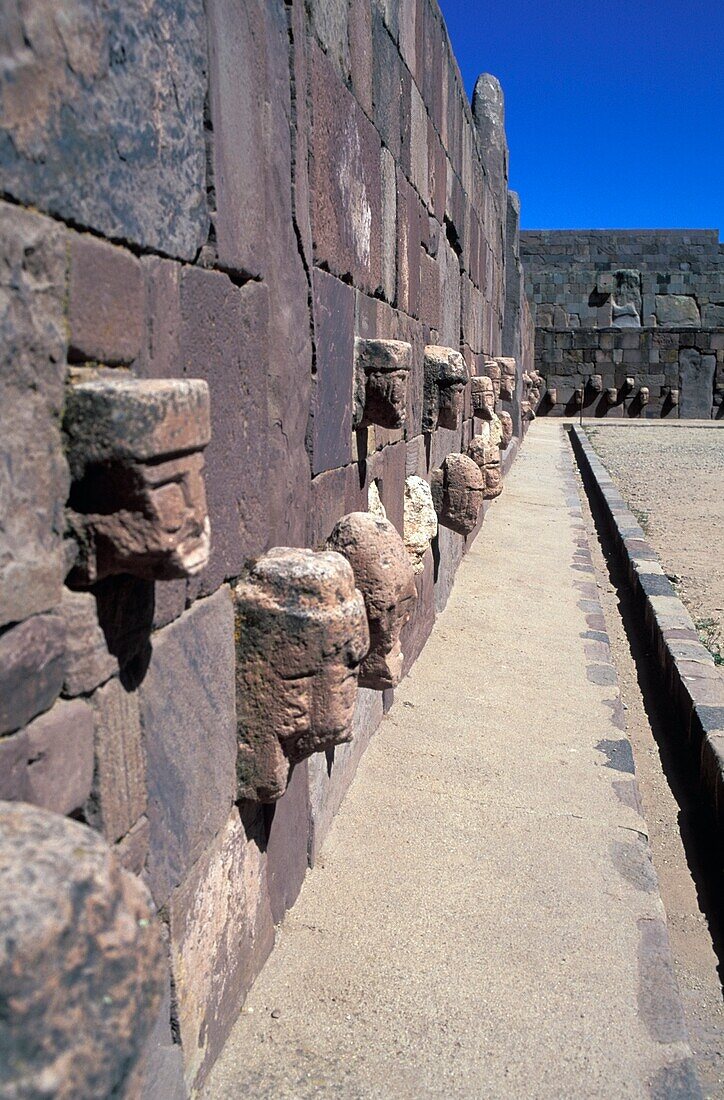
(137, 503)
(383, 573)
(81, 960)
(382, 369)
(458, 489)
(420, 520)
(301, 635)
(446, 376)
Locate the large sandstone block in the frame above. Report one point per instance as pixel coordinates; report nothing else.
(102, 116)
(301, 633)
(32, 667)
(60, 757)
(81, 963)
(32, 373)
(221, 934)
(187, 716)
(330, 426)
(105, 302)
(88, 661)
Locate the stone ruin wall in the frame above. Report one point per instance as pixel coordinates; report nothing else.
(226, 192)
(642, 306)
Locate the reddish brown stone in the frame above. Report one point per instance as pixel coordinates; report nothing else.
(81, 971)
(330, 429)
(119, 790)
(88, 661)
(383, 573)
(457, 492)
(105, 302)
(301, 633)
(60, 757)
(32, 667)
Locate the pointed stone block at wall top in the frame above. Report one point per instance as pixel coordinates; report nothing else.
(301, 633)
(137, 503)
(384, 575)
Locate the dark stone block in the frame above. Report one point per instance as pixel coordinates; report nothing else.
(60, 757)
(656, 584)
(102, 117)
(105, 302)
(188, 719)
(224, 341)
(346, 194)
(696, 384)
(32, 375)
(387, 468)
(330, 428)
(32, 667)
(288, 842)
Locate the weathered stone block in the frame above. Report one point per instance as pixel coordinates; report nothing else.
(486, 456)
(420, 520)
(224, 340)
(105, 302)
(301, 633)
(81, 964)
(221, 934)
(32, 373)
(88, 661)
(457, 492)
(383, 573)
(32, 667)
(102, 116)
(119, 791)
(677, 311)
(60, 757)
(482, 393)
(137, 503)
(330, 428)
(187, 715)
(382, 368)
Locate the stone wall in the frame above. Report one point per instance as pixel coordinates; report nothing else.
(626, 310)
(233, 193)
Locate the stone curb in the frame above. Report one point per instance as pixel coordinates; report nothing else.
(693, 685)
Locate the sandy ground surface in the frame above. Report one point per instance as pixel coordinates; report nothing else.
(672, 479)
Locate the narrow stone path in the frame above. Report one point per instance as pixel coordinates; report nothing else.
(484, 920)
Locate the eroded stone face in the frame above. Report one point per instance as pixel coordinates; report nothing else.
(493, 372)
(383, 573)
(508, 377)
(382, 368)
(301, 634)
(446, 375)
(482, 392)
(81, 961)
(644, 395)
(506, 426)
(457, 492)
(137, 502)
(595, 383)
(420, 523)
(486, 455)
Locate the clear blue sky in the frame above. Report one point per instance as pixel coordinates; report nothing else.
(614, 111)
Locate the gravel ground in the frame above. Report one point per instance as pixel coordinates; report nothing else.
(673, 481)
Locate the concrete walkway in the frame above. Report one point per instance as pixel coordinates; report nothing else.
(485, 920)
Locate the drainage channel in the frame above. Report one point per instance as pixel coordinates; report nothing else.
(686, 853)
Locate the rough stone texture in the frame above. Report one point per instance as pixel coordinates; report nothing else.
(60, 757)
(101, 112)
(446, 376)
(382, 368)
(187, 716)
(330, 427)
(457, 493)
(482, 394)
(88, 661)
(486, 456)
(81, 971)
(677, 311)
(32, 667)
(301, 633)
(221, 933)
(105, 302)
(420, 520)
(137, 502)
(119, 790)
(32, 372)
(696, 383)
(383, 573)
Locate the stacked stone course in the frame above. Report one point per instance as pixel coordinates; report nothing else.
(628, 323)
(252, 201)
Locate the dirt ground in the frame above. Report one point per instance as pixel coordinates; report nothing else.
(672, 478)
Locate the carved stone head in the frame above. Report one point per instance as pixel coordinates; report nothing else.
(446, 375)
(137, 502)
(492, 371)
(506, 425)
(420, 522)
(457, 493)
(612, 395)
(301, 634)
(382, 368)
(552, 395)
(482, 392)
(644, 395)
(486, 456)
(595, 383)
(674, 396)
(508, 377)
(383, 573)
